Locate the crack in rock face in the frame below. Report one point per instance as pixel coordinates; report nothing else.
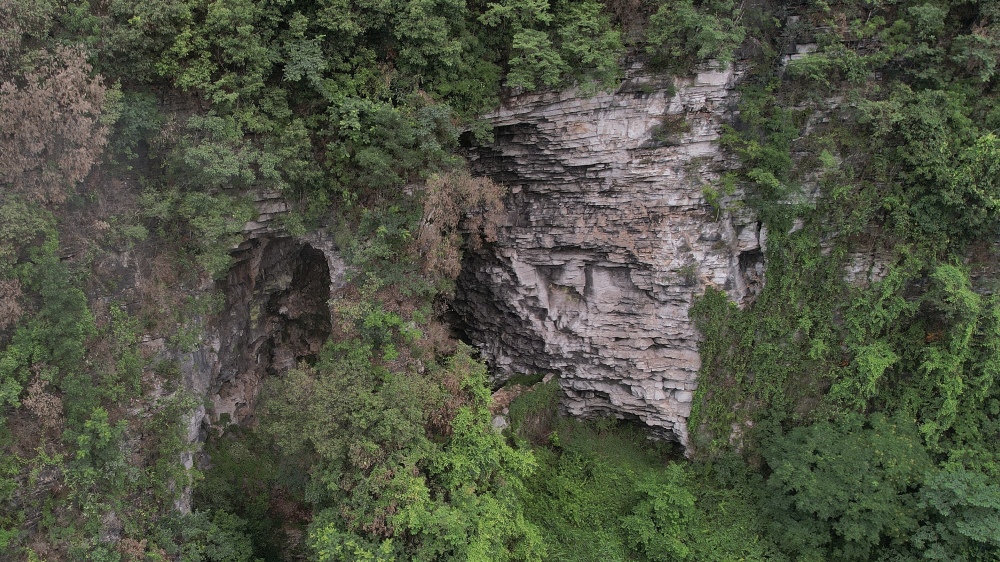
(608, 240)
(276, 315)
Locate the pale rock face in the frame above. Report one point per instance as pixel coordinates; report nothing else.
(608, 240)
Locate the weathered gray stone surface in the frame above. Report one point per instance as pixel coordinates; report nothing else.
(608, 239)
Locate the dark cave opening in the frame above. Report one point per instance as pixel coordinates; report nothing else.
(276, 315)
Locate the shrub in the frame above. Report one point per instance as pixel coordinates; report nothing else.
(681, 33)
(839, 490)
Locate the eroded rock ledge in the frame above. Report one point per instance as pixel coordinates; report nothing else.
(608, 239)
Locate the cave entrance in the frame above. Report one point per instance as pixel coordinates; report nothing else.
(276, 315)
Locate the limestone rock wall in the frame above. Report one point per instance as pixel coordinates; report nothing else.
(274, 314)
(608, 239)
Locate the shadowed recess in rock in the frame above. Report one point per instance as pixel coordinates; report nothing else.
(276, 315)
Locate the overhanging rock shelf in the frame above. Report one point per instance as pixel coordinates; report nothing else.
(608, 239)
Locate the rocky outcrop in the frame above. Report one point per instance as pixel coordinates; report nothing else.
(608, 239)
(275, 313)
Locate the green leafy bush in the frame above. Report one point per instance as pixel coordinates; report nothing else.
(53, 341)
(659, 522)
(683, 32)
(943, 168)
(208, 225)
(379, 481)
(840, 490)
(964, 520)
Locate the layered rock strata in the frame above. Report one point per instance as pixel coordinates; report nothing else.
(608, 239)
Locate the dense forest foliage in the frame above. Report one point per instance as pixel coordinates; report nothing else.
(836, 419)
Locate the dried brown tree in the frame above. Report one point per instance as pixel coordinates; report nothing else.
(456, 203)
(50, 128)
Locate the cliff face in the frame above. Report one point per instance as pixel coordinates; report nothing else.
(608, 240)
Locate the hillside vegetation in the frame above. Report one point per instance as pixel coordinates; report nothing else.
(838, 417)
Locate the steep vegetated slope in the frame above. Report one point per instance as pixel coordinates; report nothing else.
(231, 236)
(863, 381)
